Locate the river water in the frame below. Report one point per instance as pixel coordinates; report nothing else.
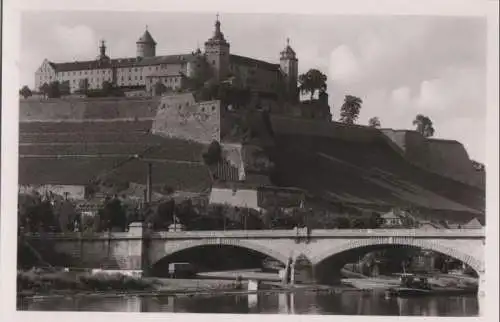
(346, 303)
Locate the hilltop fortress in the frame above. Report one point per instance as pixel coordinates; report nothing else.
(273, 149)
(174, 71)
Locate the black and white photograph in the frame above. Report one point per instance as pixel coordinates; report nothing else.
(250, 163)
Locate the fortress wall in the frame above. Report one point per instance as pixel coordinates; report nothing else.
(293, 126)
(80, 109)
(451, 159)
(444, 157)
(182, 117)
(397, 137)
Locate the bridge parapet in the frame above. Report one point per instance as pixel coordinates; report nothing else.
(316, 233)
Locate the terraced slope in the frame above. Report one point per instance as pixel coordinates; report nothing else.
(367, 173)
(75, 153)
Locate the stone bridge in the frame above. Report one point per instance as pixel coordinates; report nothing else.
(139, 249)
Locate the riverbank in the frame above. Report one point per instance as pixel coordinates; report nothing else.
(33, 283)
(40, 283)
(439, 283)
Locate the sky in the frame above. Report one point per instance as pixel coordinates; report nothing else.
(400, 66)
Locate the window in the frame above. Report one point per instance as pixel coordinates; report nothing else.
(136, 69)
(213, 62)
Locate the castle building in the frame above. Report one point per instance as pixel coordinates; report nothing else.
(147, 69)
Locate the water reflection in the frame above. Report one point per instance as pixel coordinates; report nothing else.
(347, 303)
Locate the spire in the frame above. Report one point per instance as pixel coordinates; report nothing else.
(103, 48)
(102, 51)
(288, 52)
(146, 38)
(217, 25)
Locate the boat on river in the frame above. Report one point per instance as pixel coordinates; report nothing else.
(411, 285)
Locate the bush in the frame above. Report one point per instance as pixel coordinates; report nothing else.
(40, 282)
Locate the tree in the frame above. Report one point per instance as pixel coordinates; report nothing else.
(312, 81)
(342, 222)
(36, 214)
(213, 154)
(44, 89)
(112, 215)
(375, 220)
(374, 122)
(424, 125)
(358, 223)
(159, 88)
(54, 90)
(64, 88)
(349, 111)
(83, 85)
(478, 166)
(107, 88)
(25, 92)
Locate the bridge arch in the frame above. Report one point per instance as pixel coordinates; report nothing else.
(178, 246)
(434, 245)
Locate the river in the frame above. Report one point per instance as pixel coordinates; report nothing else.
(346, 303)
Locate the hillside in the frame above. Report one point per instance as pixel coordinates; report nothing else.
(338, 164)
(75, 153)
(357, 166)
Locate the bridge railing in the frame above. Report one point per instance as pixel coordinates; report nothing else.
(317, 233)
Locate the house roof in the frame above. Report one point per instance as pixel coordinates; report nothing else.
(474, 223)
(242, 60)
(123, 62)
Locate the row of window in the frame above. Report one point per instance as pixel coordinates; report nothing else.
(122, 70)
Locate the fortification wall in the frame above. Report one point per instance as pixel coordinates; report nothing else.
(445, 157)
(180, 116)
(87, 108)
(72, 191)
(451, 158)
(295, 126)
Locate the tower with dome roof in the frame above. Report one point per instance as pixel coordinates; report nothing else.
(289, 65)
(217, 52)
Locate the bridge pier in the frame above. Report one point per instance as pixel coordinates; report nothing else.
(138, 249)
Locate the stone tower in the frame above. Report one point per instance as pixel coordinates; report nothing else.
(290, 68)
(146, 46)
(217, 53)
(102, 58)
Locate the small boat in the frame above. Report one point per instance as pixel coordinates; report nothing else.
(407, 291)
(410, 285)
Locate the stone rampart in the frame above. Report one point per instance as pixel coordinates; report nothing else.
(87, 108)
(180, 116)
(445, 157)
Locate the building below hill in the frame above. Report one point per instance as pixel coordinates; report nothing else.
(147, 69)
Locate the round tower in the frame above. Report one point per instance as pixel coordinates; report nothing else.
(217, 52)
(146, 46)
(289, 65)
